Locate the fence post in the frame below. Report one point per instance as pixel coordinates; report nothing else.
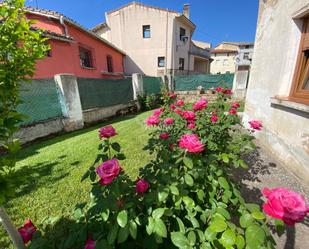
(138, 86)
(170, 82)
(70, 101)
(240, 83)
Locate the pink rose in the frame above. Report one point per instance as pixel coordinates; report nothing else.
(172, 95)
(107, 132)
(168, 121)
(191, 143)
(214, 119)
(172, 107)
(285, 205)
(178, 111)
(108, 171)
(180, 102)
(157, 112)
(200, 105)
(219, 89)
(152, 120)
(27, 231)
(235, 105)
(227, 91)
(90, 243)
(233, 111)
(191, 125)
(164, 135)
(141, 186)
(256, 124)
(188, 115)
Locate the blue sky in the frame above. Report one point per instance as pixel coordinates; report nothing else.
(216, 20)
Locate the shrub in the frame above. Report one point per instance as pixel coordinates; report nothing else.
(185, 198)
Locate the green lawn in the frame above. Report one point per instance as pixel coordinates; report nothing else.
(51, 170)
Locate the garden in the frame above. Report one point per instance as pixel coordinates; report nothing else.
(159, 179)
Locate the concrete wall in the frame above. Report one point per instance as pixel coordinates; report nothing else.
(240, 84)
(222, 63)
(286, 124)
(125, 30)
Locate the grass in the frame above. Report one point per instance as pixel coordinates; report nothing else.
(51, 170)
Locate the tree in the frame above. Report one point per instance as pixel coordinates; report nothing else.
(20, 47)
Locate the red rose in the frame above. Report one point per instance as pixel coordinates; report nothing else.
(235, 105)
(188, 115)
(214, 119)
(172, 95)
(191, 143)
(200, 105)
(285, 205)
(172, 107)
(227, 91)
(152, 120)
(107, 132)
(108, 171)
(168, 121)
(27, 231)
(233, 111)
(256, 124)
(180, 102)
(141, 186)
(219, 89)
(90, 243)
(164, 135)
(178, 111)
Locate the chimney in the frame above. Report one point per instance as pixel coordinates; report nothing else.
(186, 10)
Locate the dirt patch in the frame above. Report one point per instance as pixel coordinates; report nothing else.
(266, 171)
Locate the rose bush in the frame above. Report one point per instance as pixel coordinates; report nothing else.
(187, 197)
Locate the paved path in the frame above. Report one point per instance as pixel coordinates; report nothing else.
(265, 171)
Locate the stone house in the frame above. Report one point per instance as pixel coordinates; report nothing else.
(156, 41)
(278, 89)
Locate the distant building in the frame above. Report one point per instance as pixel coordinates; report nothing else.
(278, 89)
(227, 56)
(156, 41)
(74, 49)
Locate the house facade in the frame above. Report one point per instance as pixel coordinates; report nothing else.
(278, 90)
(74, 49)
(156, 41)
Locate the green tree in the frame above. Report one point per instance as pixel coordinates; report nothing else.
(20, 47)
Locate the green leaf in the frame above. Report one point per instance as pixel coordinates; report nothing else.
(174, 190)
(105, 215)
(192, 238)
(279, 226)
(255, 235)
(122, 218)
(188, 162)
(223, 183)
(85, 176)
(225, 157)
(179, 240)
(218, 225)
(162, 196)
(258, 215)
(133, 229)
(160, 228)
(210, 234)
(189, 180)
(224, 212)
(180, 225)
(252, 207)
(188, 202)
(158, 213)
(240, 242)
(150, 226)
(246, 220)
(228, 238)
(205, 246)
(123, 234)
(112, 235)
(93, 176)
(116, 147)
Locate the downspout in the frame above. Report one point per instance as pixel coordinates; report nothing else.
(166, 40)
(61, 19)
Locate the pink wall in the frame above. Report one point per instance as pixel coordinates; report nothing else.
(65, 55)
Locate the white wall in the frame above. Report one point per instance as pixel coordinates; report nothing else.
(286, 130)
(222, 63)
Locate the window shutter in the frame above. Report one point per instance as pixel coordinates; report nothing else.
(306, 33)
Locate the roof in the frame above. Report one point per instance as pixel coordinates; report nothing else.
(222, 51)
(144, 5)
(54, 35)
(99, 26)
(204, 45)
(237, 43)
(57, 15)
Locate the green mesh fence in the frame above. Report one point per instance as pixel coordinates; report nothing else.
(152, 85)
(40, 101)
(191, 82)
(104, 92)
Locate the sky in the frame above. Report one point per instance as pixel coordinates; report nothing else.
(216, 20)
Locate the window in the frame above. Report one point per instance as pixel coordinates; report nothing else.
(161, 61)
(246, 56)
(181, 64)
(109, 61)
(85, 56)
(300, 86)
(182, 34)
(146, 31)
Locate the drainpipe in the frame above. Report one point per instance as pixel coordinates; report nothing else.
(166, 40)
(61, 19)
